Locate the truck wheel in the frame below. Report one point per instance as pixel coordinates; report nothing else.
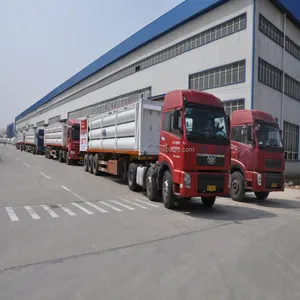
(86, 162)
(96, 165)
(68, 161)
(261, 195)
(151, 188)
(208, 201)
(132, 170)
(237, 189)
(60, 156)
(90, 165)
(167, 191)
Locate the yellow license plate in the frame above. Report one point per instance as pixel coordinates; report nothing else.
(274, 185)
(211, 188)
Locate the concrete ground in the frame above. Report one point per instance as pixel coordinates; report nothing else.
(66, 234)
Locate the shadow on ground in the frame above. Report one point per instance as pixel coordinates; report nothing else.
(222, 212)
(274, 202)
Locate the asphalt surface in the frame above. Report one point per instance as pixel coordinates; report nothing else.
(66, 234)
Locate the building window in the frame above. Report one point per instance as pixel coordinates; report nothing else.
(270, 30)
(272, 76)
(277, 36)
(54, 120)
(269, 75)
(292, 87)
(217, 77)
(232, 105)
(110, 104)
(40, 124)
(290, 140)
(292, 48)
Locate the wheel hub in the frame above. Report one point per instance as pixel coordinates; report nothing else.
(149, 184)
(235, 186)
(165, 189)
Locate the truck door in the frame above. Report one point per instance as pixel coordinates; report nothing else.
(171, 138)
(243, 146)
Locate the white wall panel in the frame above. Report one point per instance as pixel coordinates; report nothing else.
(266, 98)
(172, 74)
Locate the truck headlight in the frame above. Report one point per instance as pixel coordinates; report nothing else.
(187, 180)
(259, 178)
(72, 152)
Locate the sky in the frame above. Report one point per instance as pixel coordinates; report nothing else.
(45, 42)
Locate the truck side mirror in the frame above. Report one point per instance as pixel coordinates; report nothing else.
(176, 116)
(68, 132)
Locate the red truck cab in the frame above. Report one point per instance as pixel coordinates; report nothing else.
(194, 157)
(257, 154)
(73, 140)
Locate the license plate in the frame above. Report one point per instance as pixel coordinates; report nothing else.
(274, 185)
(211, 188)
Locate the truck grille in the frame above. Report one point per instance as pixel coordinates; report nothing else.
(211, 183)
(273, 163)
(210, 160)
(273, 181)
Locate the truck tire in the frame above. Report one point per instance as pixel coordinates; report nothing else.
(167, 191)
(237, 188)
(68, 160)
(208, 201)
(96, 165)
(60, 156)
(132, 170)
(151, 187)
(90, 165)
(261, 195)
(47, 153)
(86, 162)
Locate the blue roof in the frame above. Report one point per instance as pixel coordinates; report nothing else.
(176, 17)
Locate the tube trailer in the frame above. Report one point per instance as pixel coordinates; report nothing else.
(175, 148)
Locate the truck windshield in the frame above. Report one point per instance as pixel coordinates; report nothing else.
(268, 136)
(206, 124)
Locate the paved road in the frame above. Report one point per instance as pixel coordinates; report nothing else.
(66, 234)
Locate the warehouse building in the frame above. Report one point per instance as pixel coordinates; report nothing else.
(246, 52)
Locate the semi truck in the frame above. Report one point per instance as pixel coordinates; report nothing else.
(61, 141)
(20, 140)
(174, 147)
(34, 141)
(257, 155)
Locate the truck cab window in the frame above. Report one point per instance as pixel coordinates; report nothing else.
(176, 123)
(240, 134)
(205, 125)
(235, 134)
(166, 126)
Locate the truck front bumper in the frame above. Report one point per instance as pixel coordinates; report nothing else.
(74, 155)
(203, 184)
(267, 182)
